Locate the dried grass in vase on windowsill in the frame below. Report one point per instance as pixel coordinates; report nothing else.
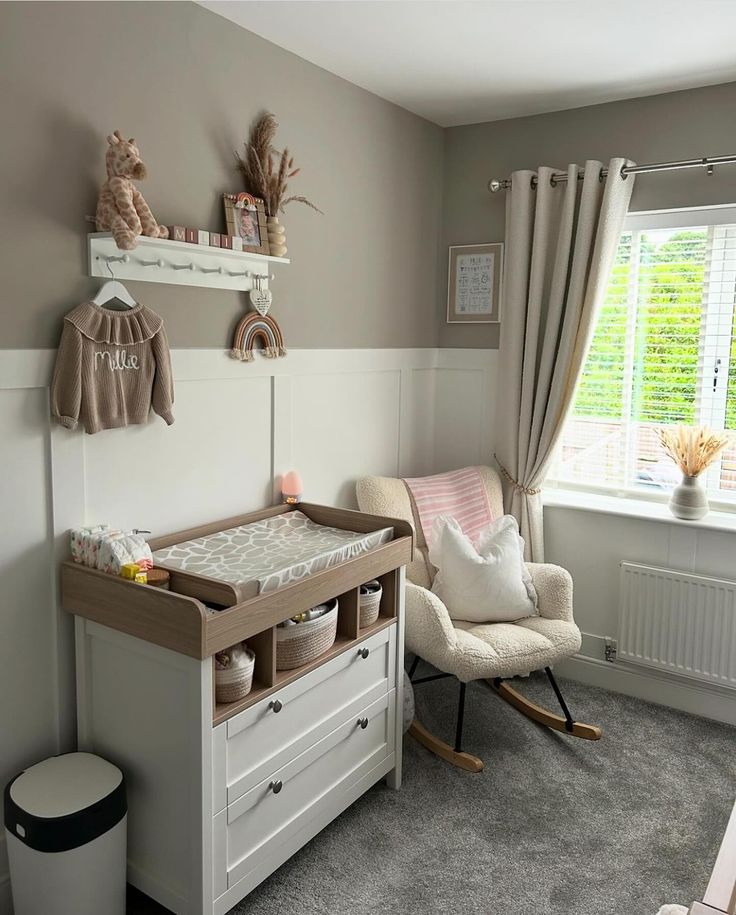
(693, 448)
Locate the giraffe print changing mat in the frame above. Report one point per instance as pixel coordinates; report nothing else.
(268, 554)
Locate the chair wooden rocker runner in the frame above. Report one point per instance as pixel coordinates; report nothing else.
(493, 652)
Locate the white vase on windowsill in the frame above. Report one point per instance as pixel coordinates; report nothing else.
(688, 500)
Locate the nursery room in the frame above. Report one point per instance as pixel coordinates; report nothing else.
(368, 406)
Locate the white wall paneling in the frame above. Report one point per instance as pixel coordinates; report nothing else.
(28, 708)
(335, 415)
(464, 408)
(214, 459)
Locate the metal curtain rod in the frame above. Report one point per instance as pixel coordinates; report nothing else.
(708, 162)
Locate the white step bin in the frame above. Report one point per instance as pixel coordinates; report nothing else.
(66, 826)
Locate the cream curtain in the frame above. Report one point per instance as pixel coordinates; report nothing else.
(561, 240)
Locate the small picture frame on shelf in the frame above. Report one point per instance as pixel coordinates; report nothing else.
(245, 217)
(474, 284)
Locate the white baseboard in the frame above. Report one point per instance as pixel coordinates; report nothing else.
(662, 688)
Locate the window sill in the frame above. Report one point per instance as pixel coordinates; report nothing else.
(634, 508)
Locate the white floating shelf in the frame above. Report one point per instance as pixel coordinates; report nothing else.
(160, 260)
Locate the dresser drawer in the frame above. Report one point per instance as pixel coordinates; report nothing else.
(260, 740)
(247, 829)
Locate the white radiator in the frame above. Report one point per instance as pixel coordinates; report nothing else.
(678, 622)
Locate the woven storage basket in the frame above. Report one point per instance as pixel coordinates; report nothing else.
(299, 644)
(235, 683)
(370, 603)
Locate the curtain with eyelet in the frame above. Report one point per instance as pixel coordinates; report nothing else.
(561, 240)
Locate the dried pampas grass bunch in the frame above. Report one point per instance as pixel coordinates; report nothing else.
(266, 170)
(693, 448)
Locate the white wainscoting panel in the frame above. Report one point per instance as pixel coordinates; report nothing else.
(27, 610)
(344, 427)
(464, 408)
(212, 463)
(417, 432)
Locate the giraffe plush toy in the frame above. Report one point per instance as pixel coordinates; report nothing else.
(121, 208)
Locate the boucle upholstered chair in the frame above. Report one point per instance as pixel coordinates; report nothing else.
(493, 651)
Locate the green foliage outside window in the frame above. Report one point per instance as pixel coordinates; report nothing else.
(666, 337)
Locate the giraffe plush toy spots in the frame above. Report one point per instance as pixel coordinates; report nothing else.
(121, 208)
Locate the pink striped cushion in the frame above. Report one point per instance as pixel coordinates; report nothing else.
(459, 493)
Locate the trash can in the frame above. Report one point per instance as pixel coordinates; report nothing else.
(66, 826)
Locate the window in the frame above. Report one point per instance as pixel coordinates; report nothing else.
(663, 353)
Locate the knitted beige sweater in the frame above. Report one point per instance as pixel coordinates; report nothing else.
(111, 367)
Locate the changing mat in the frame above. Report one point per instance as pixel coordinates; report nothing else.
(268, 554)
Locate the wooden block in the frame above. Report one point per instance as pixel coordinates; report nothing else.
(203, 237)
(237, 242)
(177, 233)
(192, 236)
(214, 239)
(226, 241)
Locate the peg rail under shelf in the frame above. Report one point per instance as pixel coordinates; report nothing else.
(161, 260)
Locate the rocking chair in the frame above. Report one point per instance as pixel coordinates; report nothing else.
(493, 652)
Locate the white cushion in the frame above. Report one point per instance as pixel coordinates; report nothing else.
(489, 584)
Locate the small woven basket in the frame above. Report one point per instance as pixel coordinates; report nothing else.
(235, 682)
(303, 642)
(370, 602)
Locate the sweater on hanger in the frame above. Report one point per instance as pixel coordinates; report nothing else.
(111, 368)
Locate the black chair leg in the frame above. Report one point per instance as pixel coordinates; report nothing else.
(460, 716)
(569, 723)
(414, 665)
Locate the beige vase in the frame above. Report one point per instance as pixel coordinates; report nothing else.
(276, 236)
(689, 500)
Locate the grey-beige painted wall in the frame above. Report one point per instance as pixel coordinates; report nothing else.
(187, 83)
(396, 190)
(678, 125)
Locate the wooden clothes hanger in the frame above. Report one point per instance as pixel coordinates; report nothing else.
(113, 290)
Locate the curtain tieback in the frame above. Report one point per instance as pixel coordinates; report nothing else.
(515, 483)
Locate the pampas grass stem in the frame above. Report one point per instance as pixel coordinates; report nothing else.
(265, 170)
(693, 448)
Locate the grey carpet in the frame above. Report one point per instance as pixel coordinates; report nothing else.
(553, 826)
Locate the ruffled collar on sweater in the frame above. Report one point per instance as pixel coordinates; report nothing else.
(135, 325)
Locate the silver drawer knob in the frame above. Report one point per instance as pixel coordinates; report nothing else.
(363, 723)
(276, 786)
(363, 652)
(276, 705)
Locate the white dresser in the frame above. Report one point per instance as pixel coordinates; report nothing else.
(220, 796)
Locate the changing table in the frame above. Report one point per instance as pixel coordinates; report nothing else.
(220, 795)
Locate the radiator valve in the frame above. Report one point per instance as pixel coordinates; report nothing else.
(610, 650)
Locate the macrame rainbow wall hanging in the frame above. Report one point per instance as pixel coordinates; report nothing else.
(254, 328)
